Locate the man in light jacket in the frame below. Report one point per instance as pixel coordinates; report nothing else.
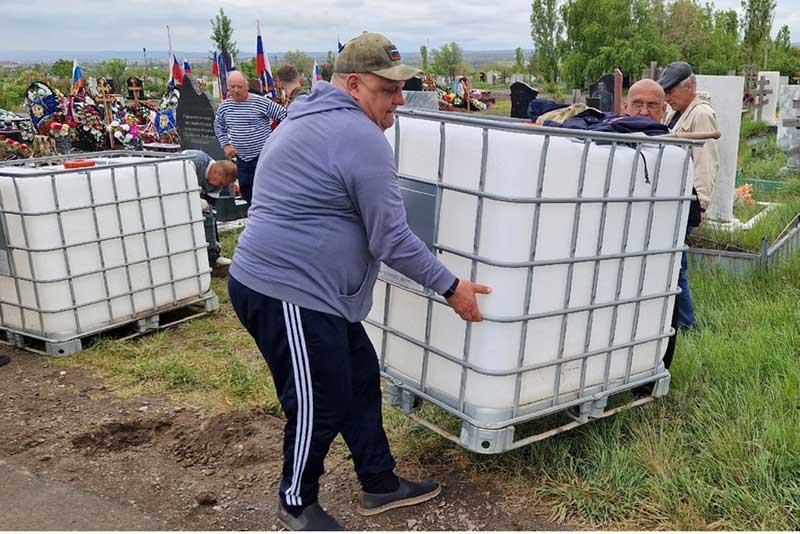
(327, 209)
(692, 112)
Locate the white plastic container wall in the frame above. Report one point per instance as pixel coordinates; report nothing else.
(133, 242)
(506, 235)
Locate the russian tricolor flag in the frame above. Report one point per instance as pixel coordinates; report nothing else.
(187, 69)
(176, 73)
(263, 68)
(77, 76)
(215, 66)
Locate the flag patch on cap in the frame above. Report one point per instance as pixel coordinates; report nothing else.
(394, 54)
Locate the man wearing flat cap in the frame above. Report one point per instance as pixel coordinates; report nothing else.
(692, 112)
(326, 211)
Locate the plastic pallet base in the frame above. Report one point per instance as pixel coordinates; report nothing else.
(165, 318)
(499, 440)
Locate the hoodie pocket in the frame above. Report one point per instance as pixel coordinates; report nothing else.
(366, 284)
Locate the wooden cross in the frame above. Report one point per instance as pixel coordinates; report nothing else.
(762, 92)
(751, 78)
(793, 122)
(106, 99)
(576, 97)
(135, 90)
(617, 92)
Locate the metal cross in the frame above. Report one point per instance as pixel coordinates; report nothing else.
(761, 93)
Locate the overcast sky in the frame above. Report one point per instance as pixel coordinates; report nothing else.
(310, 25)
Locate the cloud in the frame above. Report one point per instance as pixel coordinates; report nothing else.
(310, 25)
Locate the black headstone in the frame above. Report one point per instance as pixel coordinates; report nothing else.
(413, 84)
(521, 96)
(195, 121)
(134, 81)
(604, 95)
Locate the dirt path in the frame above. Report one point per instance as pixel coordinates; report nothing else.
(78, 457)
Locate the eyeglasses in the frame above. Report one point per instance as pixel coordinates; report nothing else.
(652, 106)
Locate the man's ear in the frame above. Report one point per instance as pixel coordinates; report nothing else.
(353, 85)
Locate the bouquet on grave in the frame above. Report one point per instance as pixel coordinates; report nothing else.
(744, 196)
(10, 149)
(90, 127)
(126, 131)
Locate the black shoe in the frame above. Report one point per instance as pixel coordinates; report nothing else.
(312, 518)
(4, 360)
(409, 493)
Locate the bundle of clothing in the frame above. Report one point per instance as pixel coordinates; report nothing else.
(583, 117)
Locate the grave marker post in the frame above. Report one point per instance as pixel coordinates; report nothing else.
(135, 89)
(104, 97)
(762, 96)
(617, 91)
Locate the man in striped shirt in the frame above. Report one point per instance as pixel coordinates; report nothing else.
(242, 126)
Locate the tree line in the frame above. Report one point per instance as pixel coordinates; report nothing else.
(578, 41)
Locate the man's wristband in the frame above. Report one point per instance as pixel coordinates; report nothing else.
(449, 293)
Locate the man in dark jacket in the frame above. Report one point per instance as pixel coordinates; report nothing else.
(215, 179)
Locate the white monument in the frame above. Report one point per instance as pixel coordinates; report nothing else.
(788, 134)
(770, 111)
(726, 97)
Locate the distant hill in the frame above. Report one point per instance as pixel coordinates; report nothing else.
(475, 57)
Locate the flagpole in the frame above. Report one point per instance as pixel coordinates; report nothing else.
(169, 60)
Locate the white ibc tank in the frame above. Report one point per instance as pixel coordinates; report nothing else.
(89, 248)
(577, 325)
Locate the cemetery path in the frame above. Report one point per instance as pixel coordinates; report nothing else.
(76, 456)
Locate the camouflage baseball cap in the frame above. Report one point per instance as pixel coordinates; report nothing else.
(373, 53)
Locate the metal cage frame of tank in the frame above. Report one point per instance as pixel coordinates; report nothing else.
(63, 345)
(492, 434)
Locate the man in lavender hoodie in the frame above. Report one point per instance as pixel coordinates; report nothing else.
(326, 211)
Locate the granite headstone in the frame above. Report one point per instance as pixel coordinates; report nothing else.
(195, 121)
(421, 100)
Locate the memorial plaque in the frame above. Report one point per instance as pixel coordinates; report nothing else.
(195, 121)
(421, 100)
(521, 96)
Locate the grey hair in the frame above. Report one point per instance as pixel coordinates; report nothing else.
(690, 80)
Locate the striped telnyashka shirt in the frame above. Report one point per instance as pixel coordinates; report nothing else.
(246, 125)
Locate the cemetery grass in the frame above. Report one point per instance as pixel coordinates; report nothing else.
(721, 451)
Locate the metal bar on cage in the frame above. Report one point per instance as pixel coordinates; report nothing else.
(191, 227)
(100, 251)
(61, 234)
(474, 268)
(676, 235)
(166, 234)
(576, 221)
(123, 245)
(529, 279)
(596, 269)
(643, 264)
(612, 334)
(429, 304)
(145, 241)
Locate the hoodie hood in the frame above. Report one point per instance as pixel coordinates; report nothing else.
(324, 97)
